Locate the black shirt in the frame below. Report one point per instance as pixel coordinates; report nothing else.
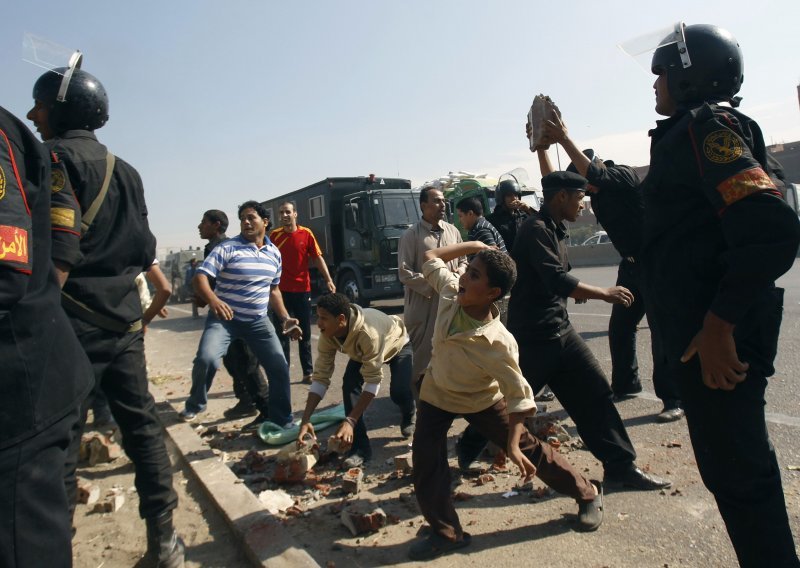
(118, 245)
(538, 304)
(618, 205)
(45, 372)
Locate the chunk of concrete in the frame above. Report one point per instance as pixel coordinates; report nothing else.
(275, 501)
(404, 463)
(351, 480)
(360, 523)
(88, 493)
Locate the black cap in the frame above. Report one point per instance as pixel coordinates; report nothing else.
(564, 180)
(589, 153)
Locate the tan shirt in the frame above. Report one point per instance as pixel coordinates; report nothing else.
(472, 370)
(373, 338)
(419, 309)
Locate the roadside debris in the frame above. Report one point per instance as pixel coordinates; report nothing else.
(361, 523)
(276, 501)
(98, 448)
(351, 481)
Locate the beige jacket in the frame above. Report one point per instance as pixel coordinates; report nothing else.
(472, 370)
(373, 338)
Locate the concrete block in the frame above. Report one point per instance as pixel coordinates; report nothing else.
(404, 463)
(351, 481)
(295, 469)
(337, 445)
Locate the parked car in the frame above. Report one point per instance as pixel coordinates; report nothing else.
(599, 238)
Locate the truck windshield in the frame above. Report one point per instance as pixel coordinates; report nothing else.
(396, 210)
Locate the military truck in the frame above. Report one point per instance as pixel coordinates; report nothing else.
(358, 222)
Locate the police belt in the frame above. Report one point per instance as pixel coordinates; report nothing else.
(85, 313)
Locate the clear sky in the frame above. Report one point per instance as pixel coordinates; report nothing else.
(217, 102)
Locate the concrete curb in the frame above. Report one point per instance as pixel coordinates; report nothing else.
(266, 542)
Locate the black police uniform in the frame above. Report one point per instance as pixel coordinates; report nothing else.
(619, 208)
(45, 373)
(507, 223)
(716, 237)
(552, 353)
(105, 311)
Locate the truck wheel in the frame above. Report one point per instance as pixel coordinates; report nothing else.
(348, 285)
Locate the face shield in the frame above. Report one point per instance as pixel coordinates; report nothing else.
(641, 48)
(51, 56)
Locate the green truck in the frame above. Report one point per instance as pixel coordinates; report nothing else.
(358, 222)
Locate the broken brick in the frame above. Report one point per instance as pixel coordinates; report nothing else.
(404, 463)
(360, 523)
(351, 480)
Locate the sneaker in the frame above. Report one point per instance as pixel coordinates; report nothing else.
(240, 410)
(355, 460)
(306, 380)
(408, 424)
(255, 424)
(670, 415)
(590, 515)
(187, 415)
(544, 395)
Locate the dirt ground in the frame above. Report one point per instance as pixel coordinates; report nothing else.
(676, 527)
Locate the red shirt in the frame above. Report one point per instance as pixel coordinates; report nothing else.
(296, 249)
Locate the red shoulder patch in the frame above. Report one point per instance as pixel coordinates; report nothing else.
(739, 186)
(13, 244)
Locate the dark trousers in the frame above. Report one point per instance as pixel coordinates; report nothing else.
(738, 465)
(119, 368)
(622, 342)
(400, 367)
(569, 368)
(35, 524)
(249, 384)
(298, 304)
(431, 475)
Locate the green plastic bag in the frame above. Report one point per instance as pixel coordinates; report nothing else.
(274, 435)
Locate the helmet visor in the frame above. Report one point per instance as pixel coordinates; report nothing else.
(49, 55)
(641, 48)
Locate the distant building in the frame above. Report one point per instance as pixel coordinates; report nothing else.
(788, 154)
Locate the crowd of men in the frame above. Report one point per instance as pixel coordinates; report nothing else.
(74, 235)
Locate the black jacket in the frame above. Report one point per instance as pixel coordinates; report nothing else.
(118, 245)
(45, 372)
(717, 233)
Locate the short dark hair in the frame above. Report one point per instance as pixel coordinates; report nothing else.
(501, 271)
(255, 206)
(287, 202)
(335, 303)
(217, 216)
(471, 204)
(423, 194)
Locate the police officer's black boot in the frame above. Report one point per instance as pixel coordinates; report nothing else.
(165, 548)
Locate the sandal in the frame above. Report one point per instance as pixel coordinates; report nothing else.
(436, 545)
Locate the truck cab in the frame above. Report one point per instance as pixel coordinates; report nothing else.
(358, 222)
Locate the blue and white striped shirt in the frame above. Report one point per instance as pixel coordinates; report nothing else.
(244, 275)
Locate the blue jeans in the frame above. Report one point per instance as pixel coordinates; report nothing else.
(261, 337)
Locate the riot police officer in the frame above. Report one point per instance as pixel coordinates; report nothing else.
(717, 235)
(100, 296)
(45, 373)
